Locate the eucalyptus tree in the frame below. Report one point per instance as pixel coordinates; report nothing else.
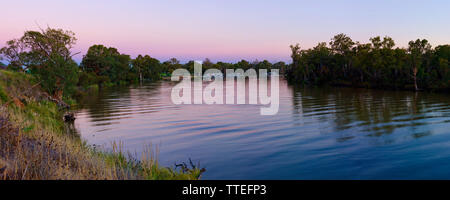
(171, 65)
(47, 54)
(375, 64)
(265, 64)
(243, 64)
(279, 65)
(417, 50)
(146, 67)
(107, 63)
(138, 64)
(440, 63)
(342, 47)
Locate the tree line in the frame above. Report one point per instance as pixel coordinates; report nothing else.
(48, 54)
(377, 64)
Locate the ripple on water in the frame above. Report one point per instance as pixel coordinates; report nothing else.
(319, 133)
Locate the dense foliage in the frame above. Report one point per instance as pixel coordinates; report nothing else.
(35, 142)
(47, 55)
(105, 65)
(377, 64)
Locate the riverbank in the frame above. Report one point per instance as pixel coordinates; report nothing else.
(35, 142)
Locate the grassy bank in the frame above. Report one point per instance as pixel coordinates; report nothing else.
(35, 142)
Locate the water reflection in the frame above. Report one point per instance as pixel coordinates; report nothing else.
(374, 113)
(331, 133)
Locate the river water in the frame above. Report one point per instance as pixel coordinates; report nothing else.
(318, 133)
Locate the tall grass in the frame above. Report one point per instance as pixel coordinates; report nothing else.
(35, 143)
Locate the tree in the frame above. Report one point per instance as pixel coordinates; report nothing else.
(47, 54)
(440, 60)
(15, 53)
(280, 66)
(222, 66)
(243, 64)
(417, 50)
(375, 64)
(189, 66)
(319, 61)
(146, 67)
(171, 65)
(311, 65)
(138, 65)
(265, 64)
(207, 64)
(376, 59)
(107, 64)
(153, 68)
(295, 69)
(388, 43)
(363, 61)
(342, 46)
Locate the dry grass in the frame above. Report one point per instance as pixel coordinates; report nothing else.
(36, 144)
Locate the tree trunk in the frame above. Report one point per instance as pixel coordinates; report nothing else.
(415, 78)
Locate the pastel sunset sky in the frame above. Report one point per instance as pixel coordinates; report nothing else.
(226, 30)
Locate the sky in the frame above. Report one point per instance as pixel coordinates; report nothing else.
(226, 30)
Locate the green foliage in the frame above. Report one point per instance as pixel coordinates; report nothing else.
(146, 68)
(171, 65)
(49, 149)
(243, 64)
(86, 79)
(47, 55)
(59, 75)
(376, 64)
(107, 64)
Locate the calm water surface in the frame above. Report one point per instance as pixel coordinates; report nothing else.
(319, 133)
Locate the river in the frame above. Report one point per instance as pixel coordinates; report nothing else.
(318, 133)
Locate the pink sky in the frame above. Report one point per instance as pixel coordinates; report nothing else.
(225, 30)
